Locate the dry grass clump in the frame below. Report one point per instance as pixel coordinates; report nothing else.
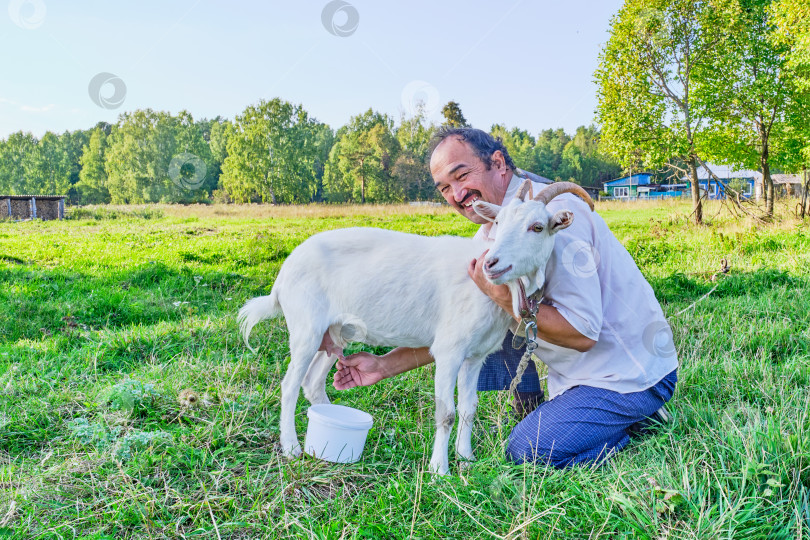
(314, 210)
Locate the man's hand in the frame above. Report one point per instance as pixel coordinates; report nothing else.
(364, 369)
(499, 293)
(361, 369)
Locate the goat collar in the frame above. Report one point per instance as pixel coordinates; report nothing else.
(527, 305)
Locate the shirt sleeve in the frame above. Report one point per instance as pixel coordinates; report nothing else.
(573, 284)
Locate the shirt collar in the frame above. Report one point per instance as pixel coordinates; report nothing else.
(511, 191)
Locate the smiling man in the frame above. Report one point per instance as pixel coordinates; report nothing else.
(611, 359)
(463, 177)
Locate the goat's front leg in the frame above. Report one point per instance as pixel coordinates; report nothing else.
(446, 373)
(467, 403)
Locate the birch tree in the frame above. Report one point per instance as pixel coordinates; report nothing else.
(647, 109)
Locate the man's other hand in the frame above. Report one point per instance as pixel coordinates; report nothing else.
(498, 293)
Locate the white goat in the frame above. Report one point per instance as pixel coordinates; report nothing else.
(389, 288)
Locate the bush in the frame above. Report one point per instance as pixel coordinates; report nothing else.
(132, 396)
(103, 213)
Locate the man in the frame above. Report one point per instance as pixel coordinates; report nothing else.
(601, 332)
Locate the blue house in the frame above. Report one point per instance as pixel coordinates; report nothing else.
(716, 190)
(640, 186)
(627, 188)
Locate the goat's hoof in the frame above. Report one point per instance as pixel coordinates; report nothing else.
(291, 451)
(465, 463)
(440, 469)
(465, 454)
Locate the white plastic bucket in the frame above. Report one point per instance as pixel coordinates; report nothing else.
(336, 433)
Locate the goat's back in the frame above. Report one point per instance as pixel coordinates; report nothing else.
(399, 287)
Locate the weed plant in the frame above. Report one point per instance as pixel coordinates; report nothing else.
(129, 408)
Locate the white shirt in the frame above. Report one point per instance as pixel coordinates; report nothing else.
(596, 286)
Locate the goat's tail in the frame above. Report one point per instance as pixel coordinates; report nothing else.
(256, 310)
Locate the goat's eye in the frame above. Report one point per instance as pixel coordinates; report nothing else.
(537, 227)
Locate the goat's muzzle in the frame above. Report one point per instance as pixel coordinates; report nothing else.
(491, 273)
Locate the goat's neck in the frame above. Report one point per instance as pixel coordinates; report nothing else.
(529, 284)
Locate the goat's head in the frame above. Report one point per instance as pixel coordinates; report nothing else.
(525, 235)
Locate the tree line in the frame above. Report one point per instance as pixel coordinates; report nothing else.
(274, 152)
(685, 82)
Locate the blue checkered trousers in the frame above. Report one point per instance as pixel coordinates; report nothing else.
(584, 424)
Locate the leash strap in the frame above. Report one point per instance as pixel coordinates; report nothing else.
(527, 307)
(531, 346)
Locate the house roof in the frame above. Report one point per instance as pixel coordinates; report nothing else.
(787, 179)
(724, 172)
(37, 197)
(629, 180)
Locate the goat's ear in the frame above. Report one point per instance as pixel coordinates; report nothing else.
(561, 220)
(524, 190)
(486, 210)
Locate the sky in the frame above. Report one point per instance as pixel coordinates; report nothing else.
(525, 63)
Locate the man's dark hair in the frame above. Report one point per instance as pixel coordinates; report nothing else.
(482, 142)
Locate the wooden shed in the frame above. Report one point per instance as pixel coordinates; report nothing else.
(23, 207)
(788, 185)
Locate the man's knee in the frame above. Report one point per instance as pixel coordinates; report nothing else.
(522, 449)
(544, 448)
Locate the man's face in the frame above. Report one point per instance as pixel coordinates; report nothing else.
(462, 178)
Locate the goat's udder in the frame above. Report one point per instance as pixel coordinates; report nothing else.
(328, 346)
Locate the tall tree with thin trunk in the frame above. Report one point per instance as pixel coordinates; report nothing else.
(453, 116)
(750, 83)
(647, 110)
(792, 30)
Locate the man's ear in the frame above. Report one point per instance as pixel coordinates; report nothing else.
(560, 220)
(486, 210)
(497, 160)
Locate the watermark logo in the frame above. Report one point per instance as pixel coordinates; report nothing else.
(340, 18)
(581, 259)
(353, 329)
(99, 90)
(650, 24)
(657, 339)
(420, 96)
(27, 14)
(187, 171)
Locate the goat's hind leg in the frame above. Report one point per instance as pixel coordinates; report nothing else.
(303, 349)
(467, 404)
(315, 380)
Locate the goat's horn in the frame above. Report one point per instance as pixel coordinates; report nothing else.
(558, 188)
(525, 187)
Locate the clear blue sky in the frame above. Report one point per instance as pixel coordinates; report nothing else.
(524, 63)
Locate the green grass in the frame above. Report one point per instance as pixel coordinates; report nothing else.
(106, 319)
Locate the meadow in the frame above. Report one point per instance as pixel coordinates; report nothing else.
(130, 408)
